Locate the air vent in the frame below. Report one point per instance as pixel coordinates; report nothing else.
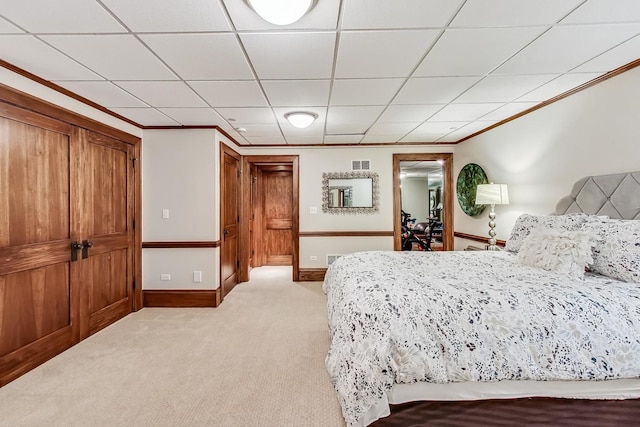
(361, 165)
(332, 258)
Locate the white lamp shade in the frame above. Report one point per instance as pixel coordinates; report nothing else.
(281, 12)
(301, 119)
(492, 194)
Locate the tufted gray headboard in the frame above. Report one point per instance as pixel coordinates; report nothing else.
(616, 195)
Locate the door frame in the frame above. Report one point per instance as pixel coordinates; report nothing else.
(447, 187)
(245, 210)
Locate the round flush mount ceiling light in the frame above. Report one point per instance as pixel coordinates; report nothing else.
(300, 119)
(281, 12)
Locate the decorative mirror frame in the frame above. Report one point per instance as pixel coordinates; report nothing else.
(326, 176)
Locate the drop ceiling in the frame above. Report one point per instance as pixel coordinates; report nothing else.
(375, 71)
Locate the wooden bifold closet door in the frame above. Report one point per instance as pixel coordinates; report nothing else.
(66, 239)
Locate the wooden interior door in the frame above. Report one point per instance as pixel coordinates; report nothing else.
(278, 215)
(37, 184)
(107, 209)
(229, 218)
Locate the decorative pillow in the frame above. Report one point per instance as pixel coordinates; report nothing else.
(526, 223)
(616, 253)
(564, 252)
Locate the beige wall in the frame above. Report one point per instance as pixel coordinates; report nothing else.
(542, 154)
(180, 173)
(415, 198)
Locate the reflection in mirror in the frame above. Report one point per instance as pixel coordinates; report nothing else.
(421, 195)
(349, 192)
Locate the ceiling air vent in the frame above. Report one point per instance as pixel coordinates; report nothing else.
(332, 258)
(361, 165)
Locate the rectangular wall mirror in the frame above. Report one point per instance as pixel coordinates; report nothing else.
(349, 192)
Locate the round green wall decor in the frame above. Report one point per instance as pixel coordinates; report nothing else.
(470, 176)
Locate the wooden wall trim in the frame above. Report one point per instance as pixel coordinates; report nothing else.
(311, 274)
(346, 234)
(177, 245)
(476, 238)
(631, 65)
(181, 298)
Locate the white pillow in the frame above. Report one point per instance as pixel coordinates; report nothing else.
(617, 250)
(527, 223)
(564, 252)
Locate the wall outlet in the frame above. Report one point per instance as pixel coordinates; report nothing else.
(313, 210)
(165, 213)
(165, 276)
(313, 258)
(197, 276)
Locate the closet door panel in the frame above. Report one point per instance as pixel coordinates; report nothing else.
(36, 313)
(107, 211)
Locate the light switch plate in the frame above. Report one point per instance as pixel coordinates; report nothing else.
(197, 276)
(165, 276)
(165, 213)
(313, 210)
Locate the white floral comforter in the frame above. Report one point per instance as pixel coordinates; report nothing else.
(445, 317)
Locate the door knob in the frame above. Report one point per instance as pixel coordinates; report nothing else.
(74, 250)
(86, 244)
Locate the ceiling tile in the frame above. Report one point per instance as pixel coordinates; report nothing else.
(467, 130)
(433, 90)
(170, 15)
(194, 116)
(502, 13)
(503, 88)
(364, 91)
(281, 56)
(258, 130)
(7, 27)
(104, 93)
(31, 54)
(60, 16)
(127, 58)
(247, 115)
(557, 86)
(324, 16)
(508, 110)
(266, 140)
(163, 94)
(365, 54)
(597, 11)
(296, 93)
(366, 14)
(342, 120)
(469, 52)
(457, 112)
(381, 139)
(563, 48)
(146, 116)
(304, 140)
(409, 113)
(612, 59)
(315, 130)
(392, 128)
(431, 131)
(342, 139)
(230, 94)
(199, 56)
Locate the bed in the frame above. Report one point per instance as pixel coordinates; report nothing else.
(409, 326)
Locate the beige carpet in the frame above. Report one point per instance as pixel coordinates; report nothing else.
(257, 360)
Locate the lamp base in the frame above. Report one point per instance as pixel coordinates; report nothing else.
(492, 232)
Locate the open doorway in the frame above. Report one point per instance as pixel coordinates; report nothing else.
(270, 210)
(423, 199)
